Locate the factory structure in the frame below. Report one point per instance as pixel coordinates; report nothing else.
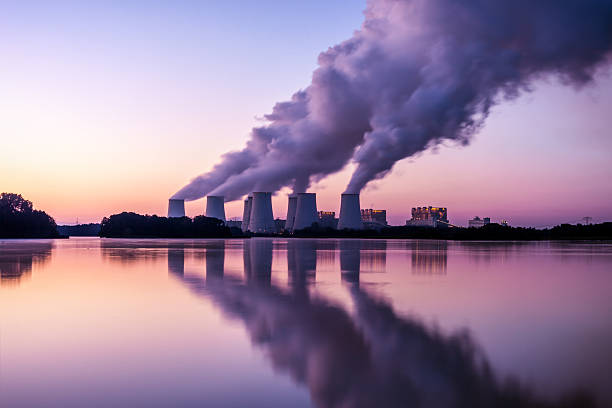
(302, 212)
(478, 222)
(429, 217)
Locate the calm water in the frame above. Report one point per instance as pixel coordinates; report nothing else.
(290, 323)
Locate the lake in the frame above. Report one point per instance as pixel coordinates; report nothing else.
(298, 323)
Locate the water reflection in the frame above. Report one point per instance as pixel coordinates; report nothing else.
(429, 257)
(17, 259)
(257, 258)
(370, 357)
(176, 260)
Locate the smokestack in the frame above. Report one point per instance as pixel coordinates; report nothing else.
(246, 214)
(291, 212)
(176, 208)
(306, 211)
(262, 219)
(215, 207)
(350, 213)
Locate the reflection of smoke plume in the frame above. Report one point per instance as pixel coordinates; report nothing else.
(417, 73)
(373, 359)
(17, 259)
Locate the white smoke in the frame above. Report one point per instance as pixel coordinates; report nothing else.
(418, 72)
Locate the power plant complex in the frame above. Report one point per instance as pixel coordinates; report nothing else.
(302, 212)
(257, 216)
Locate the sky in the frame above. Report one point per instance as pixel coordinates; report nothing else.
(109, 106)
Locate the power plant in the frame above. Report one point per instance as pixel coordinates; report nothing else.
(261, 219)
(215, 207)
(350, 212)
(246, 214)
(176, 208)
(258, 217)
(291, 208)
(306, 211)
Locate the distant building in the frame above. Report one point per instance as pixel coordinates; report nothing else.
(478, 222)
(369, 215)
(327, 219)
(233, 223)
(428, 217)
(279, 225)
(504, 223)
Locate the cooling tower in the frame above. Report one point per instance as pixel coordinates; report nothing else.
(262, 219)
(350, 213)
(215, 207)
(306, 211)
(291, 212)
(246, 214)
(176, 208)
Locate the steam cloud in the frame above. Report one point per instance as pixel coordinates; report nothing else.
(417, 73)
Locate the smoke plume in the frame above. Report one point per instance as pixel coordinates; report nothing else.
(417, 73)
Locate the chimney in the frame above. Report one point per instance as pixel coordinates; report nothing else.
(246, 214)
(350, 213)
(215, 207)
(306, 211)
(176, 208)
(291, 212)
(262, 219)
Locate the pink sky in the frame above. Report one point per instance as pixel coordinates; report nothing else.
(92, 126)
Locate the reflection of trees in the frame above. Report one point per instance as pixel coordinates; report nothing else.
(429, 257)
(17, 259)
(134, 251)
(371, 358)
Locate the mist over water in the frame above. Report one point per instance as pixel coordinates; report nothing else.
(325, 323)
(416, 74)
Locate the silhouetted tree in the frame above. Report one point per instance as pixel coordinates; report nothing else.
(19, 219)
(132, 225)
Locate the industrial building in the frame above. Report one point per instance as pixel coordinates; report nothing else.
(478, 222)
(176, 208)
(327, 219)
(374, 216)
(350, 212)
(429, 217)
(215, 207)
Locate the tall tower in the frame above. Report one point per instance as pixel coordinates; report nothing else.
(215, 207)
(306, 211)
(176, 208)
(350, 213)
(261, 218)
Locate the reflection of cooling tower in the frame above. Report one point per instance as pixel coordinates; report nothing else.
(215, 260)
(257, 257)
(350, 213)
(261, 219)
(215, 207)
(176, 261)
(246, 214)
(176, 208)
(306, 211)
(350, 260)
(291, 213)
(301, 261)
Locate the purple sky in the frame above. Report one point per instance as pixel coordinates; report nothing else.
(113, 107)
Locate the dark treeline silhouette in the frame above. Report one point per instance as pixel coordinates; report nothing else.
(81, 230)
(19, 219)
(132, 225)
(491, 232)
